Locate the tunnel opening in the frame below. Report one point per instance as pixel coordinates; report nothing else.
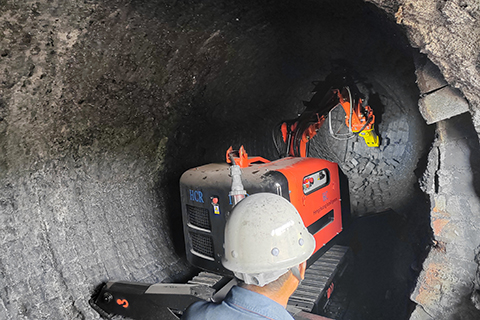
(104, 104)
(278, 51)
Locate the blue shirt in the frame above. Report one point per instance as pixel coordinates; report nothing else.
(239, 304)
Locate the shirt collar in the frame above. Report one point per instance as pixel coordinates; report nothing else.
(257, 303)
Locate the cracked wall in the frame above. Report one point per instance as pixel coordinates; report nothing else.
(445, 286)
(448, 34)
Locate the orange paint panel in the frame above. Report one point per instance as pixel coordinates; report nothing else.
(319, 203)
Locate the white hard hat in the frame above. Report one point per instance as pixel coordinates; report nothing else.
(264, 238)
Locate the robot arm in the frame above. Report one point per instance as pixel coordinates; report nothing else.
(359, 119)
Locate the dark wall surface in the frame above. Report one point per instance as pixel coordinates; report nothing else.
(104, 104)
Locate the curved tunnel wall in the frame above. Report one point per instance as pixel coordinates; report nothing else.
(105, 104)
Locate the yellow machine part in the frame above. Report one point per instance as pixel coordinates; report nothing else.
(370, 137)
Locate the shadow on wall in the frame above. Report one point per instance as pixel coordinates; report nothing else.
(474, 146)
(459, 183)
(461, 127)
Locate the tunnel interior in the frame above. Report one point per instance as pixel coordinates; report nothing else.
(291, 47)
(105, 104)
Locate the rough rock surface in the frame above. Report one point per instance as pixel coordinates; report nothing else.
(446, 285)
(380, 178)
(448, 32)
(438, 101)
(81, 135)
(103, 104)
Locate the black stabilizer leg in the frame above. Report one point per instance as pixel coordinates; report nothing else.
(143, 301)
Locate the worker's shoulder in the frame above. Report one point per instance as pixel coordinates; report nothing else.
(203, 310)
(239, 304)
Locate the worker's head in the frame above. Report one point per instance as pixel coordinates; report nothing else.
(265, 238)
